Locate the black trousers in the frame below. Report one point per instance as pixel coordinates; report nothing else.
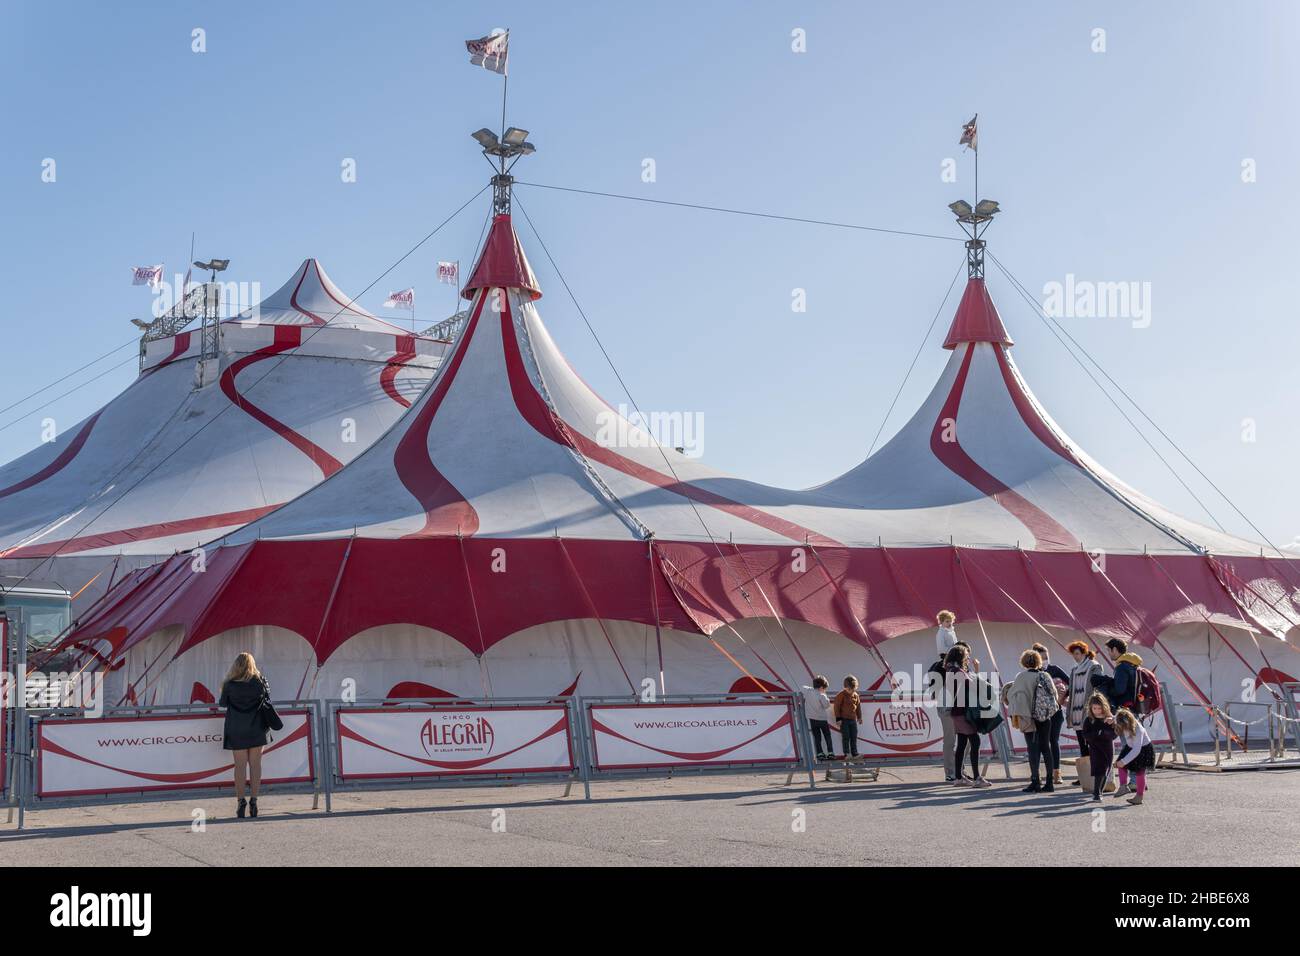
(849, 737)
(1058, 721)
(963, 742)
(1040, 749)
(821, 730)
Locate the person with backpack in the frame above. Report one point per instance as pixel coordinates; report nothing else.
(847, 710)
(817, 708)
(1121, 690)
(1032, 701)
(1098, 731)
(1137, 756)
(964, 707)
(1061, 681)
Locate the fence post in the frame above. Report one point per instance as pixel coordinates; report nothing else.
(22, 749)
(804, 741)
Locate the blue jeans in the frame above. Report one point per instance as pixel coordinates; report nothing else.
(849, 737)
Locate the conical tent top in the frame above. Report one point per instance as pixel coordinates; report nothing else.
(503, 264)
(977, 319)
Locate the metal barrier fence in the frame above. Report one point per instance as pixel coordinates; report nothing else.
(404, 743)
(622, 736)
(163, 753)
(65, 757)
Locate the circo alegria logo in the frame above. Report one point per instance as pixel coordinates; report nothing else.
(456, 732)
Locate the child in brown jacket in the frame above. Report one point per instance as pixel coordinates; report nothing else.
(848, 711)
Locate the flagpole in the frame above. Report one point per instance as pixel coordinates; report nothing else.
(505, 88)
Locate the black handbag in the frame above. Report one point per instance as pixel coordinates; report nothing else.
(267, 713)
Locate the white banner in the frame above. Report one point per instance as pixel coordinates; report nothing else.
(902, 729)
(448, 272)
(168, 752)
(669, 735)
(433, 741)
(404, 299)
(146, 275)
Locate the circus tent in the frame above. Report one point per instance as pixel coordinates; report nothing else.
(197, 447)
(497, 542)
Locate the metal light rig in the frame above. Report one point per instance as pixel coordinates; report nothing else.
(503, 153)
(974, 222)
(203, 302)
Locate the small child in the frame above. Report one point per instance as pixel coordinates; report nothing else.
(1137, 755)
(1098, 733)
(817, 707)
(848, 711)
(946, 636)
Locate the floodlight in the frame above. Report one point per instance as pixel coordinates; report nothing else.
(486, 138)
(516, 136)
(960, 208)
(986, 207)
(140, 324)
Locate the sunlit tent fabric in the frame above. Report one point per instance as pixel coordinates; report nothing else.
(495, 542)
(303, 384)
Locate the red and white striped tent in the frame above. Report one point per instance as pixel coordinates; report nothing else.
(497, 542)
(304, 383)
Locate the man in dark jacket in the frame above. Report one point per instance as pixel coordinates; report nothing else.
(1122, 689)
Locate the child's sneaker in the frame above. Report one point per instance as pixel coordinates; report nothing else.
(1123, 791)
(981, 783)
(961, 782)
(1135, 800)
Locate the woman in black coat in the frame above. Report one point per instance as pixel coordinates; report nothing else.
(245, 732)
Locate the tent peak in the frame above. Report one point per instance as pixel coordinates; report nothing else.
(502, 264)
(977, 318)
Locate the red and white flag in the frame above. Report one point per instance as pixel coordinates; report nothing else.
(449, 272)
(970, 134)
(400, 300)
(147, 275)
(490, 52)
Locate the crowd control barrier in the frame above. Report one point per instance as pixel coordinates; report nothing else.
(696, 734)
(906, 731)
(395, 743)
(1289, 715)
(67, 757)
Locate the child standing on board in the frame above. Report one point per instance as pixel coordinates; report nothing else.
(1137, 755)
(848, 711)
(817, 707)
(1098, 734)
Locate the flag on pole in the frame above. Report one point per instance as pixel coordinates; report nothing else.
(490, 52)
(147, 275)
(400, 300)
(970, 134)
(449, 272)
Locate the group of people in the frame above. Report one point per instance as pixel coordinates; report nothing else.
(1099, 708)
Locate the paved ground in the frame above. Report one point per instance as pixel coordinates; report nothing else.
(908, 817)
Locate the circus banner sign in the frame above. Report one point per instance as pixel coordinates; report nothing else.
(438, 741)
(80, 756)
(903, 729)
(626, 736)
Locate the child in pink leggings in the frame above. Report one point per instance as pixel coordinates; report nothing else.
(1137, 755)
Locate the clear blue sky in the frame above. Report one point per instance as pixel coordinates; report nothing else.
(1123, 165)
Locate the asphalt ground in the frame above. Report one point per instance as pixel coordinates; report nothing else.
(908, 817)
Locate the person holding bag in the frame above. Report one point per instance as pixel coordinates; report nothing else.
(246, 696)
(1032, 702)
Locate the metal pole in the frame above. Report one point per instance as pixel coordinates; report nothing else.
(581, 727)
(22, 733)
